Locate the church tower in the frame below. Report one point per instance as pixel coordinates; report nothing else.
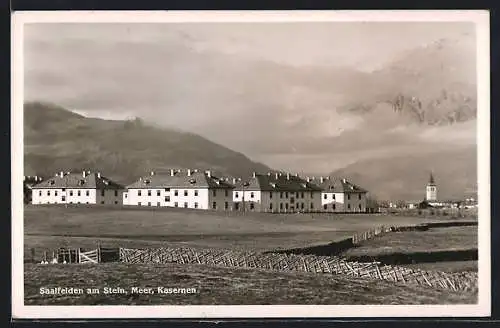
(431, 190)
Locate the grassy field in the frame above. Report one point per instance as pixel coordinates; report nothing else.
(456, 266)
(217, 286)
(80, 226)
(436, 239)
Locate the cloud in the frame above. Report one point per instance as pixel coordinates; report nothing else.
(271, 91)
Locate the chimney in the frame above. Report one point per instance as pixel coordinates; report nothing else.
(61, 174)
(268, 174)
(276, 175)
(322, 179)
(98, 175)
(288, 176)
(209, 174)
(297, 175)
(152, 173)
(84, 174)
(308, 179)
(189, 172)
(234, 180)
(171, 172)
(253, 175)
(344, 180)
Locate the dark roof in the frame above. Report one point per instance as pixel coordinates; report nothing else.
(181, 179)
(431, 180)
(277, 182)
(333, 184)
(77, 180)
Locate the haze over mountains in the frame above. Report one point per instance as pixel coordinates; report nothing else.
(56, 139)
(327, 106)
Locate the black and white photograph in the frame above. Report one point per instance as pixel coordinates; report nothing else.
(295, 164)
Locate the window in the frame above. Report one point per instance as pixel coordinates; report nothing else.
(333, 196)
(281, 206)
(349, 206)
(302, 206)
(79, 193)
(176, 204)
(102, 202)
(139, 203)
(297, 194)
(312, 195)
(158, 193)
(63, 189)
(63, 198)
(139, 192)
(236, 206)
(270, 194)
(214, 192)
(324, 196)
(359, 196)
(226, 193)
(214, 205)
(312, 205)
(126, 195)
(286, 206)
(359, 207)
(325, 207)
(116, 202)
(226, 205)
(252, 206)
(116, 193)
(167, 199)
(196, 205)
(176, 192)
(185, 192)
(348, 196)
(185, 204)
(149, 203)
(102, 193)
(40, 193)
(286, 195)
(236, 195)
(71, 192)
(281, 194)
(55, 192)
(251, 194)
(302, 195)
(167, 189)
(48, 192)
(333, 206)
(149, 192)
(271, 206)
(157, 203)
(88, 193)
(196, 192)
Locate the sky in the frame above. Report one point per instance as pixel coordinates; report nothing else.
(269, 90)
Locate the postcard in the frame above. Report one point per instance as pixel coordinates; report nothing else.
(256, 164)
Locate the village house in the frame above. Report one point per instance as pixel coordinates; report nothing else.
(277, 193)
(77, 188)
(340, 195)
(179, 188)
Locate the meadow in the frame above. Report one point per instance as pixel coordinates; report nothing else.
(222, 286)
(47, 228)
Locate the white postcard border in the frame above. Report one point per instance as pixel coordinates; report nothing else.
(482, 308)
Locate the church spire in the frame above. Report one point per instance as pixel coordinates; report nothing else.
(431, 179)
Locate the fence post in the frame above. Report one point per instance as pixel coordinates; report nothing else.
(98, 252)
(32, 255)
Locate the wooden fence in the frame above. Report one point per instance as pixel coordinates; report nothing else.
(463, 281)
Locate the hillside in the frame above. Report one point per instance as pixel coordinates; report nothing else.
(405, 177)
(56, 139)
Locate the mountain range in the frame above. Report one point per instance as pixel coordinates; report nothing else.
(56, 139)
(385, 128)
